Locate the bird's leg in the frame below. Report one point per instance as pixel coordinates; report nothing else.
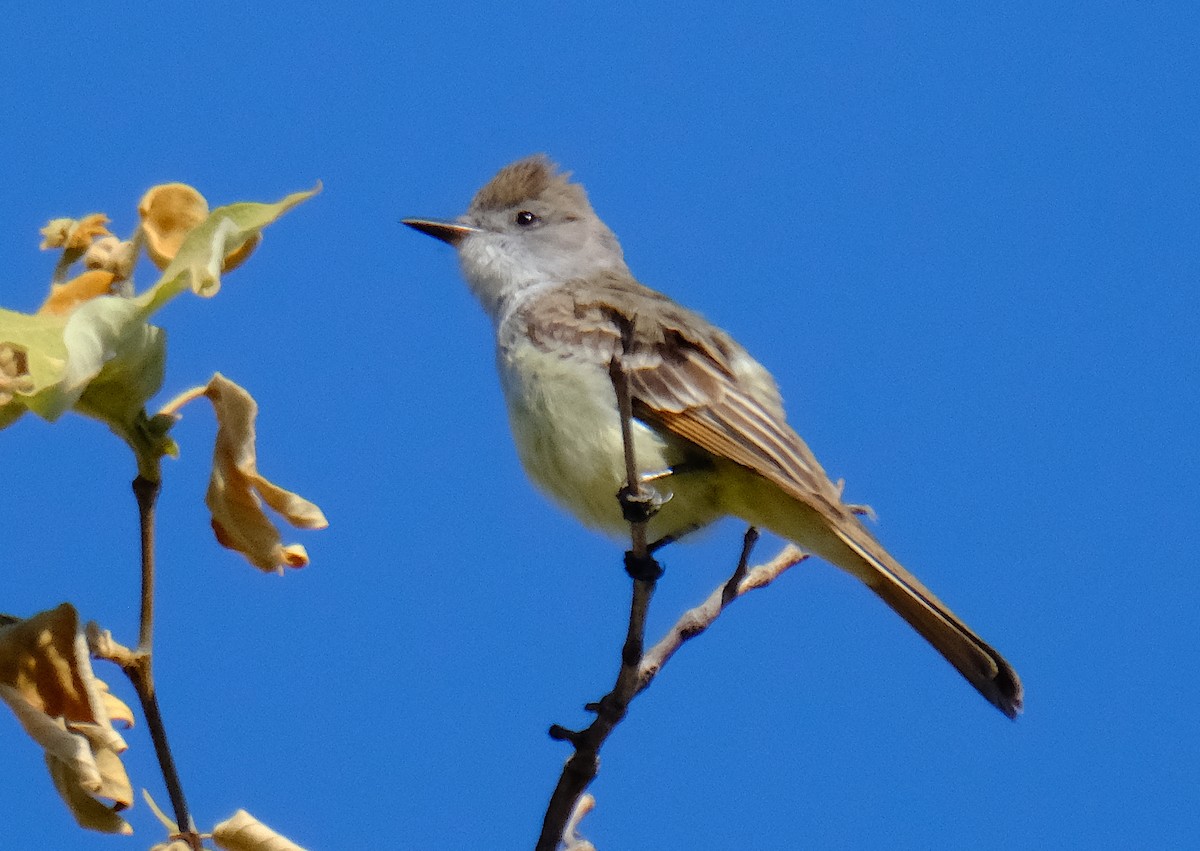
(640, 507)
(638, 504)
(655, 546)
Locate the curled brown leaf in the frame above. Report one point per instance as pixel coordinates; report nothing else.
(47, 681)
(237, 491)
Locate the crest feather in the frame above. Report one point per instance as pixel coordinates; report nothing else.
(526, 180)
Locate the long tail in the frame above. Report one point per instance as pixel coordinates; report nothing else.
(845, 542)
(973, 657)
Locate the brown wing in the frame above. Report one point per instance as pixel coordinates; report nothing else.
(690, 378)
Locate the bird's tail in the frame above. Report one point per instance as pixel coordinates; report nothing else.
(845, 542)
(974, 658)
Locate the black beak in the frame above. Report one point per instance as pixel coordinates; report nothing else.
(448, 232)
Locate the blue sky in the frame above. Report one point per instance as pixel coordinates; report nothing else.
(963, 238)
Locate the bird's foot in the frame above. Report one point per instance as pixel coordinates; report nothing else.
(640, 505)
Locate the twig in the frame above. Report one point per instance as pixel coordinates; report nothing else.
(138, 665)
(697, 620)
(146, 492)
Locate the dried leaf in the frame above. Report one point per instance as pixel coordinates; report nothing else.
(54, 234)
(237, 491)
(46, 679)
(243, 832)
(66, 297)
(110, 782)
(169, 213)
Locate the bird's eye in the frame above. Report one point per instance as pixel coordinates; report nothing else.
(526, 218)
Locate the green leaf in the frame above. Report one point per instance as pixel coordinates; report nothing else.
(198, 263)
(103, 351)
(41, 338)
(103, 359)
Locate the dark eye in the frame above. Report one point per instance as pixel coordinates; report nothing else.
(526, 218)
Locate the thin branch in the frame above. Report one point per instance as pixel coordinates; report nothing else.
(146, 492)
(141, 676)
(138, 665)
(697, 620)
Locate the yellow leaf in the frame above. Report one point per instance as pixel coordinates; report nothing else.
(98, 355)
(236, 490)
(104, 341)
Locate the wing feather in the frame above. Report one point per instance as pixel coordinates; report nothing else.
(686, 376)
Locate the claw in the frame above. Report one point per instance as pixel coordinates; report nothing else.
(640, 507)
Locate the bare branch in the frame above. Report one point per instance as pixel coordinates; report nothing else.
(146, 491)
(138, 665)
(697, 620)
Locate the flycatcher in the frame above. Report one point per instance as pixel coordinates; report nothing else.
(553, 279)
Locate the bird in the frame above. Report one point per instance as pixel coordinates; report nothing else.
(708, 420)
